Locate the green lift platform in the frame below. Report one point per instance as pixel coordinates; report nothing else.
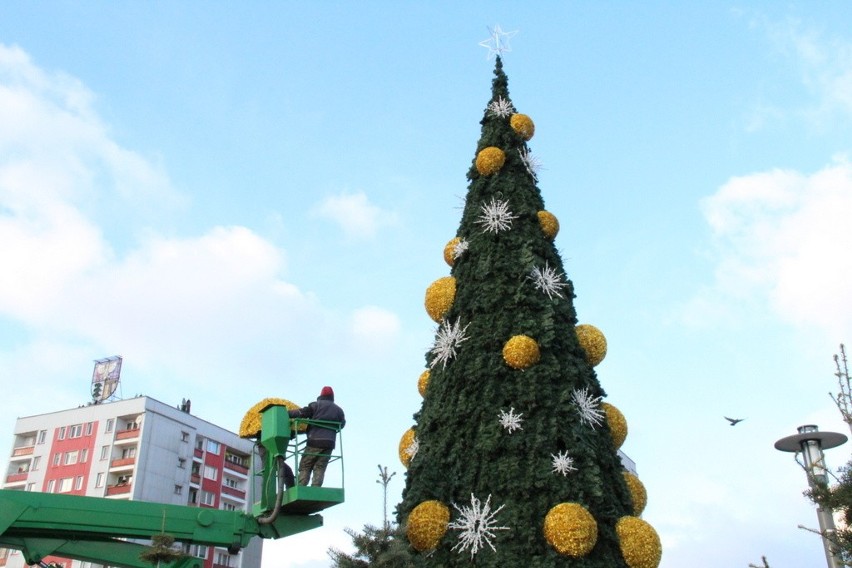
(94, 529)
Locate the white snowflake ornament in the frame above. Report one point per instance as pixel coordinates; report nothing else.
(547, 280)
(501, 108)
(588, 407)
(447, 341)
(477, 525)
(496, 216)
(460, 248)
(563, 463)
(510, 421)
(531, 163)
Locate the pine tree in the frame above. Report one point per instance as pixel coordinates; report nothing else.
(512, 460)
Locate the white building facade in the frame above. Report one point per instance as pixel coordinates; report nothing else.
(134, 449)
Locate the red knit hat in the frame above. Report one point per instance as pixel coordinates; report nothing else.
(326, 391)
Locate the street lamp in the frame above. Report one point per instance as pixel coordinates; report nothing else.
(811, 442)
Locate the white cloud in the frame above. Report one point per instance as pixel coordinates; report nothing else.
(356, 216)
(374, 326)
(782, 238)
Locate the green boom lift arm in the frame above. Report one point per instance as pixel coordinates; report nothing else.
(91, 528)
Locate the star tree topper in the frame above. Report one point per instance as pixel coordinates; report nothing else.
(498, 43)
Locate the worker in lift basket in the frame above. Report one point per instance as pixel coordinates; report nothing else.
(321, 439)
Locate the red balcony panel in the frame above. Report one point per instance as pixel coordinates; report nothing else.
(199, 453)
(127, 434)
(235, 492)
(28, 450)
(235, 467)
(122, 462)
(119, 489)
(195, 478)
(16, 477)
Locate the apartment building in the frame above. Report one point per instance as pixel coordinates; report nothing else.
(135, 449)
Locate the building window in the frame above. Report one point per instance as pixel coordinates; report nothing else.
(184, 436)
(199, 551)
(228, 506)
(75, 431)
(208, 498)
(89, 427)
(65, 485)
(109, 425)
(56, 457)
(231, 482)
(36, 460)
(223, 559)
(71, 457)
(62, 433)
(182, 463)
(128, 453)
(178, 489)
(30, 486)
(84, 455)
(104, 452)
(211, 473)
(99, 480)
(132, 426)
(42, 434)
(199, 443)
(50, 485)
(212, 447)
(193, 496)
(78, 483)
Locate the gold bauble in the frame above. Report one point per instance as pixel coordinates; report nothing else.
(427, 524)
(549, 224)
(439, 297)
(407, 447)
(450, 251)
(638, 494)
(490, 160)
(423, 382)
(250, 424)
(570, 529)
(593, 343)
(617, 424)
(521, 351)
(639, 542)
(523, 125)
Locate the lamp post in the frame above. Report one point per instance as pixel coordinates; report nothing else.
(811, 442)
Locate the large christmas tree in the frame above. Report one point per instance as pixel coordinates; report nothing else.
(513, 458)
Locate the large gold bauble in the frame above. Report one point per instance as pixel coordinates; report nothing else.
(407, 447)
(439, 297)
(490, 160)
(639, 542)
(522, 125)
(570, 529)
(450, 251)
(423, 382)
(593, 343)
(638, 494)
(250, 424)
(521, 351)
(617, 424)
(427, 524)
(549, 224)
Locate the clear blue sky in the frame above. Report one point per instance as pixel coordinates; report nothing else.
(249, 200)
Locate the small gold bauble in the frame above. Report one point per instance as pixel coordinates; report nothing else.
(523, 125)
(639, 542)
(521, 351)
(450, 251)
(570, 529)
(490, 160)
(407, 447)
(617, 424)
(549, 224)
(439, 297)
(638, 494)
(423, 382)
(593, 343)
(250, 424)
(427, 524)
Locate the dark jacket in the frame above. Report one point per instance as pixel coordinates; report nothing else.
(323, 409)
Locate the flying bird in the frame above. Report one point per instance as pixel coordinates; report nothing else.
(734, 421)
